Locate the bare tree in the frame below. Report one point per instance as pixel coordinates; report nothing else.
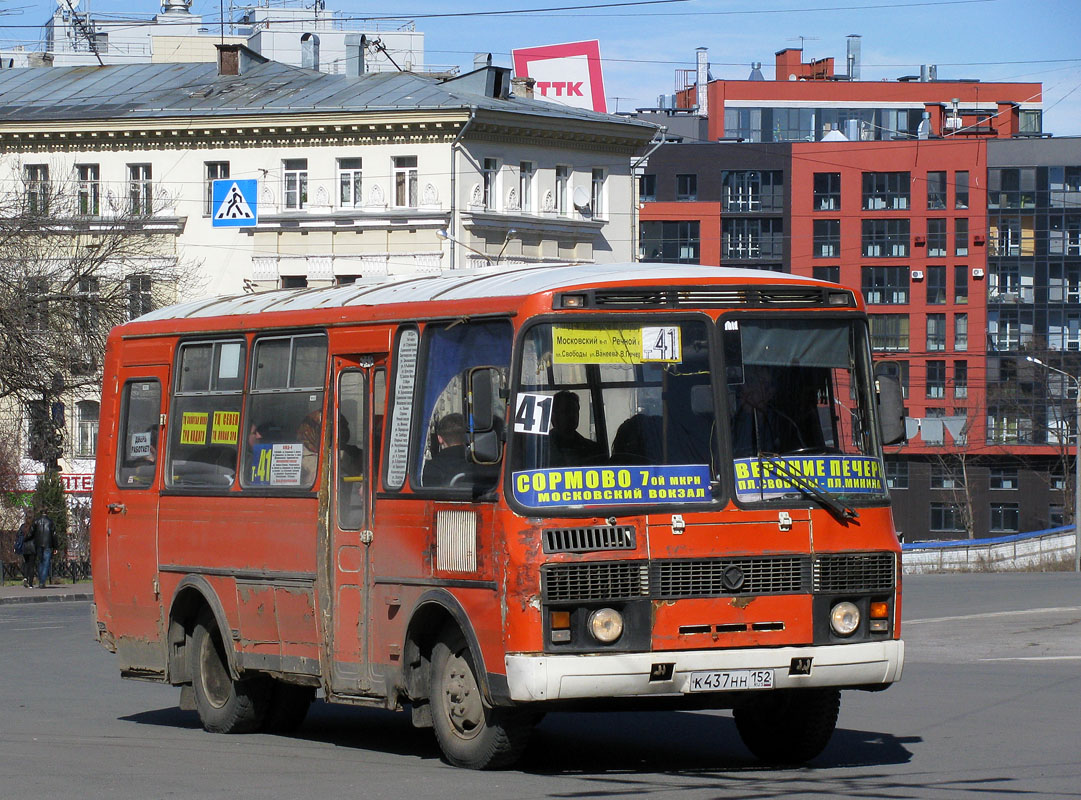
(74, 262)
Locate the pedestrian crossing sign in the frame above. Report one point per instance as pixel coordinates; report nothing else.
(235, 203)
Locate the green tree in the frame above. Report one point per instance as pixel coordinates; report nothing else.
(49, 494)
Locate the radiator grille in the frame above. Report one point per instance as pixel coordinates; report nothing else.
(710, 297)
(721, 576)
(587, 540)
(456, 541)
(855, 572)
(595, 581)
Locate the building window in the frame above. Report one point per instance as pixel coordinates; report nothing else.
(946, 517)
(88, 177)
(563, 179)
(1030, 121)
(140, 296)
(212, 171)
(943, 477)
(960, 285)
(86, 434)
(489, 183)
(37, 188)
(936, 238)
(686, 187)
(295, 183)
(936, 332)
(1005, 518)
(827, 238)
(87, 305)
(405, 181)
(936, 285)
(1011, 188)
(936, 191)
(827, 191)
(960, 189)
(596, 193)
(889, 332)
(1004, 478)
(350, 183)
(752, 238)
(1056, 515)
(885, 238)
(960, 332)
(960, 237)
(140, 190)
(936, 379)
(885, 285)
(675, 241)
(647, 188)
(831, 274)
(36, 292)
(752, 190)
(960, 380)
(526, 171)
(293, 281)
(896, 473)
(885, 191)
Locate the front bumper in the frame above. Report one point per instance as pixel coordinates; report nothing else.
(533, 678)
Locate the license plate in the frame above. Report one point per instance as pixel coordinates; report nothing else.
(727, 680)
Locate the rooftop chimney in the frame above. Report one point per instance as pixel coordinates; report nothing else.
(355, 46)
(853, 56)
(236, 59)
(481, 60)
(702, 79)
(523, 86)
(756, 72)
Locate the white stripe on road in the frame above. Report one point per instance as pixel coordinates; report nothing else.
(990, 614)
(1035, 658)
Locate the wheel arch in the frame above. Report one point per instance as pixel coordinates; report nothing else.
(193, 594)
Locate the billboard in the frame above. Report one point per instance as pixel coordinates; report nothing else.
(568, 74)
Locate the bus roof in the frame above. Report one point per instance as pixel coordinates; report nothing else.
(514, 281)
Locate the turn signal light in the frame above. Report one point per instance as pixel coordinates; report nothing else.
(561, 620)
(880, 610)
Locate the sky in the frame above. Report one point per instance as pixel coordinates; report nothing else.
(644, 44)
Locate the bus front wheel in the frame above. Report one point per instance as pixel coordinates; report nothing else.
(788, 727)
(471, 733)
(224, 705)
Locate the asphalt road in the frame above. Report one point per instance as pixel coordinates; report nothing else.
(988, 707)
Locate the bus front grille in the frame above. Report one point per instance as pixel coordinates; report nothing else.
(595, 581)
(589, 539)
(724, 576)
(854, 572)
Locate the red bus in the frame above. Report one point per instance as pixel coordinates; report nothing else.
(484, 496)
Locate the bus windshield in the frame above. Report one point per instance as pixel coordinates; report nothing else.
(626, 413)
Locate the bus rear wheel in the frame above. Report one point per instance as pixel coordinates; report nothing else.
(224, 705)
(471, 733)
(789, 727)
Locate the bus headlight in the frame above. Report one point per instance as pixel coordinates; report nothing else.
(845, 618)
(606, 625)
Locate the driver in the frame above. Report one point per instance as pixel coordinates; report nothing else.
(451, 460)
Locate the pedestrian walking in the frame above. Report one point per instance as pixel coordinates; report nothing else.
(24, 546)
(45, 545)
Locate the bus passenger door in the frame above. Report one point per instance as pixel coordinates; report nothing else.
(131, 524)
(351, 513)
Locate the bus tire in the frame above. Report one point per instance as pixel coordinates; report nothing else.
(287, 707)
(470, 733)
(788, 727)
(224, 705)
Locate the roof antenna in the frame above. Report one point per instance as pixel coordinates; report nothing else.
(78, 22)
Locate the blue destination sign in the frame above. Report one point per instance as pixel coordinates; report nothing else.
(759, 478)
(607, 486)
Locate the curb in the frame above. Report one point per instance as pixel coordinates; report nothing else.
(47, 598)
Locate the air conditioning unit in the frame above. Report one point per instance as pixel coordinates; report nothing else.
(917, 275)
(977, 272)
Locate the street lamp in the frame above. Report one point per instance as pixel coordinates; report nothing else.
(1077, 458)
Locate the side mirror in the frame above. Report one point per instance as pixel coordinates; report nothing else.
(891, 410)
(485, 448)
(479, 405)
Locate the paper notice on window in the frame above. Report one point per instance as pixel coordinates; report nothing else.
(226, 428)
(286, 464)
(139, 447)
(193, 427)
(615, 345)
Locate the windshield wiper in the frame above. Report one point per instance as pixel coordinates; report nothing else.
(831, 502)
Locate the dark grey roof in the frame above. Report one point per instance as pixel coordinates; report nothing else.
(142, 91)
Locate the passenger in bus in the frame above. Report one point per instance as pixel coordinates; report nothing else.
(309, 433)
(566, 446)
(762, 423)
(638, 440)
(450, 465)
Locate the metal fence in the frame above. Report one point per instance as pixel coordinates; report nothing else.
(62, 569)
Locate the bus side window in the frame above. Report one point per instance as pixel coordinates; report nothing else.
(205, 431)
(137, 450)
(351, 450)
(379, 412)
(283, 426)
(443, 461)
